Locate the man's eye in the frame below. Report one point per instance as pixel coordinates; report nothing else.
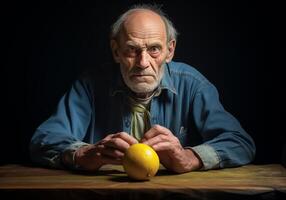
(131, 51)
(154, 50)
(131, 48)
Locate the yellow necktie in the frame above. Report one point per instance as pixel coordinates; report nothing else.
(140, 122)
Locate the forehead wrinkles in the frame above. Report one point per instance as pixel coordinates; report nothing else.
(147, 34)
(144, 25)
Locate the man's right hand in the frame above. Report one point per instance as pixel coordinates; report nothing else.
(109, 150)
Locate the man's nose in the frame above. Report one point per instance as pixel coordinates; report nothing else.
(143, 60)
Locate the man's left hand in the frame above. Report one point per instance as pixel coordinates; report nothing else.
(170, 151)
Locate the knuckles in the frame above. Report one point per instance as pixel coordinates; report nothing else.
(120, 134)
(157, 128)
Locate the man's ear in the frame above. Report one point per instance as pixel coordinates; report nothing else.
(171, 50)
(115, 48)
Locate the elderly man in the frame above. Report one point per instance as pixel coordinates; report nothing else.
(143, 97)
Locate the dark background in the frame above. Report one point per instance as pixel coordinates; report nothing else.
(235, 44)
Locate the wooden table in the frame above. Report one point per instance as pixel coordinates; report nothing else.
(247, 182)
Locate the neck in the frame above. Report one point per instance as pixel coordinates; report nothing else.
(143, 95)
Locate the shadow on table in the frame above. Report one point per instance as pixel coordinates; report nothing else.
(120, 178)
(117, 172)
(118, 175)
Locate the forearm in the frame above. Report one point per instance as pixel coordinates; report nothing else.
(51, 154)
(233, 149)
(227, 150)
(65, 129)
(225, 142)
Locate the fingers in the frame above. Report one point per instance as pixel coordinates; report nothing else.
(109, 155)
(112, 147)
(119, 141)
(156, 130)
(110, 150)
(110, 160)
(161, 146)
(156, 139)
(92, 157)
(161, 138)
(156, 134)
(125, 137)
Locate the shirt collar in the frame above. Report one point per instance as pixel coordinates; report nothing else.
(118, 85)
(166, 82)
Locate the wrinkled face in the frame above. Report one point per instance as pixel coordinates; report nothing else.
(142, 50)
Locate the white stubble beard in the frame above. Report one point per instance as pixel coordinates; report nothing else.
(142, 87)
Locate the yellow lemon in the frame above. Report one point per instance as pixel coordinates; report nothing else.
(140, 162)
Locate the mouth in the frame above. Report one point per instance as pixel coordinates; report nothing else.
(141, 77)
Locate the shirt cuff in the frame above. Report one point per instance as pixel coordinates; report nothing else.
(208, 156)
(68, 156)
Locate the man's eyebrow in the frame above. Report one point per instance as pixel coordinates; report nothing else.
(157, 44)
(134, 44)
(131, 43)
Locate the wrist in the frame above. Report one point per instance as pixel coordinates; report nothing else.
(68, 159)
(194, 161)
(71, 157)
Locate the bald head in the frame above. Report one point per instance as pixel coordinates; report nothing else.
(148, 11)
(143, 23)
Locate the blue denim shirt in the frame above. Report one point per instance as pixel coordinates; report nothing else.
(188, 105)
